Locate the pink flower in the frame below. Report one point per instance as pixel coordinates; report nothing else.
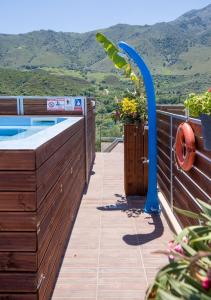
(209, 90)
(206, 283)
(176, 247)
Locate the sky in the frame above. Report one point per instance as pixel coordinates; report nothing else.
(20, 16)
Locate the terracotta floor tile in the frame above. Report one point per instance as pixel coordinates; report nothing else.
(109, 253)
(119, 294)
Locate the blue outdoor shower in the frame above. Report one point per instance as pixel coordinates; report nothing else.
(152, 203)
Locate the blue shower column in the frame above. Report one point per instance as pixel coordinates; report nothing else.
(152, 203)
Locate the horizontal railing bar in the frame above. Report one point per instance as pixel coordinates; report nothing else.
(34, 97)
(8, 97)
(181, 117)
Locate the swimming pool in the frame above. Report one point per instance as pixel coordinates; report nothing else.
(21, 132)
(13, 128)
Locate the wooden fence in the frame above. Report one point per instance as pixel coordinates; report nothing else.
(182, 188)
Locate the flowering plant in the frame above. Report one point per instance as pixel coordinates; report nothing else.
(199, 104)
(188, 275)
(130, 110)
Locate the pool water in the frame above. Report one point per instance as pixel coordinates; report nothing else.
(14, 133)
(10, 131)
(13, 128)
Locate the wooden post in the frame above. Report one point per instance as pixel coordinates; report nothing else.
(135, 150)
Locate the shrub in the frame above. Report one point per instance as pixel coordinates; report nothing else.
(188, 275)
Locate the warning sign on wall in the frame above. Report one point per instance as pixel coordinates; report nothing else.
(65, 104)
(56, 104)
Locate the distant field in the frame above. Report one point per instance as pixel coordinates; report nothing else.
(105, 87)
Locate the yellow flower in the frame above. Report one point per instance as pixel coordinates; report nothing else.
(129, 106)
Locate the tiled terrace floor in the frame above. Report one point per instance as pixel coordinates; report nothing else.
(109, 255)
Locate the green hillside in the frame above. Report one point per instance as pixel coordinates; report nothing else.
(178, 47)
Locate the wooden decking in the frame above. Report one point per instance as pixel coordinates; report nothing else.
(109, 255)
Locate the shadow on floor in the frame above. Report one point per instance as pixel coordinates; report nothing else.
(132, 206)
(143, 238)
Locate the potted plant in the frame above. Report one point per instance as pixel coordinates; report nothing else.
(131, 111)
(188, 274)
(200, 106)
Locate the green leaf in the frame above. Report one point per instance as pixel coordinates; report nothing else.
(166, 295)
(118, 60)
(205, 207)
(174, 267)
(187, 213)
(202, 238)
(112, 51)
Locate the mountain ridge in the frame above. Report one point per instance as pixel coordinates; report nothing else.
(182, 46)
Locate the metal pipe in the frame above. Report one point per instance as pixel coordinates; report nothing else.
(86, 138)
(181, 117)
(171, 163)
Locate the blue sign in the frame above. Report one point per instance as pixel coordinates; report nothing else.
(78, 102)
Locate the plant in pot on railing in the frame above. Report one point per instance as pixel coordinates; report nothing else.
(188, 274)
(131, 111)
(200, 106)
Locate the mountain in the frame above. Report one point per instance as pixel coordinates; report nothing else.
(182, 46)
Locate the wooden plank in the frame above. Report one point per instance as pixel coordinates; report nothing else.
(164, 189)
(39, 107)
(17, 160)
(190, 185)
(175, 109)
(8, 106)
(133, 160)
(14, 296)
(46, 150)
(200, 179)
(17, 201)
(67, 177)
(146, 169)
(163, 136)
(18, 241)
(49, 172)
(164, 157)
(48, 225)
(51, 263)
(17, 181)
(160, 116)
(183, 200)
(165, 167)
(165, 179)
(18, 261)
(18, 282)
(18, 221)
(163, 145)
(164, 125)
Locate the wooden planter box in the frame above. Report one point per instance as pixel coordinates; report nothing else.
(135, 170)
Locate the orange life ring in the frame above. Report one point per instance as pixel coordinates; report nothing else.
(185, 146)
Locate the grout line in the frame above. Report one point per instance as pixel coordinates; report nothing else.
(100, 231)
(141, 256)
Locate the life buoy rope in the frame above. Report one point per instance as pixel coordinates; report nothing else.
(185, 146)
